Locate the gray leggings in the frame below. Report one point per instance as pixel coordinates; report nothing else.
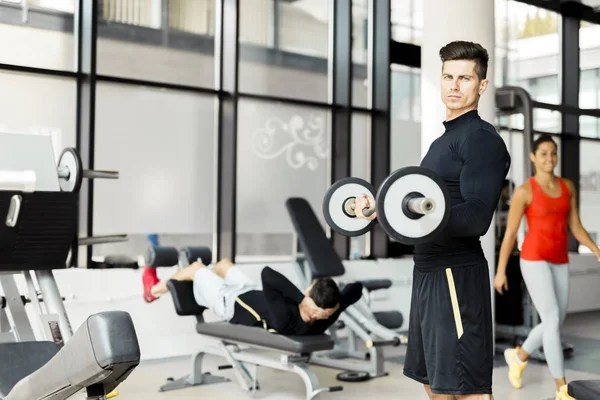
(548, 286)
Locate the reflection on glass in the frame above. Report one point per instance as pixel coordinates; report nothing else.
(285, 154)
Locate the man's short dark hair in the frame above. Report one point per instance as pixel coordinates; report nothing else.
(325, 293)
(462, 50)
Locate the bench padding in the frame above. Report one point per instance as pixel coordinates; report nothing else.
(257, 336)
(585, 389)
(103, 350)
(320, 254)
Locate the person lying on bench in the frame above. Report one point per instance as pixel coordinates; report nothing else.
(279, 307)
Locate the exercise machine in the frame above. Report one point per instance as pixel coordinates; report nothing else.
(510, 102)
(39, 225)
(237, 343)
(584, 389)
(316, 258)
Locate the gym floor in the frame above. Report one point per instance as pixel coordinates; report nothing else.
(581, 330)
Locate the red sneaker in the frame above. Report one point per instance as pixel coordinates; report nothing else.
(149, 279)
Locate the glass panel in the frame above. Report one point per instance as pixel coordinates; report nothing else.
(589, 196)
(588, 88)
(136, 41)
(405, 93)
(360, 50)
(407, 21)
(546, 120)
(44, 39)
(589, 126)
(284, 48)
(283, 152)
(162, 143)
(405, 124)
(528, 49)
(38, 104)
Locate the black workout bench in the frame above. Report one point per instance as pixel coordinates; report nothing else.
(585, 389)
(292, 352)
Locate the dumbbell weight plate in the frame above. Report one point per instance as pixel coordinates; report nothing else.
(391, 215)
(69, 159)
(333, 206)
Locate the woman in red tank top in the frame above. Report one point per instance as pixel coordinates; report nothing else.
(549, 204)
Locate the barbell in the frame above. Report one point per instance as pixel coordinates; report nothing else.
(71, 173)
(412, 204)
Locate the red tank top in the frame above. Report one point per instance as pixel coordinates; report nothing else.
(546, 238)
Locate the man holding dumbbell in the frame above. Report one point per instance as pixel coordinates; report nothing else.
(450, 340)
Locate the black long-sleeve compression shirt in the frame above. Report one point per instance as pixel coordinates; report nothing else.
(472, 159)
(276, 306)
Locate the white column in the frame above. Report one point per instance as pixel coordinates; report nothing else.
(443, 22)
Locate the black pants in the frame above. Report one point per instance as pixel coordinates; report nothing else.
(450, 338)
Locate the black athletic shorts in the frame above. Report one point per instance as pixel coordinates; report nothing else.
(450, 338)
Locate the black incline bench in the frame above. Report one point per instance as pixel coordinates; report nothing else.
(292, 353)
(584, 389)
(100, 355)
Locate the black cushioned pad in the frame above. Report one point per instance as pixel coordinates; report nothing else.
(260, 337)
(320, 254)
(585, 390)
(17, 360)
(390, 319)
(376, 284)
(182, 293)
(103, 350)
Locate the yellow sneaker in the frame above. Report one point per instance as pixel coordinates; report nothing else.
(515, 367)
(563, 394)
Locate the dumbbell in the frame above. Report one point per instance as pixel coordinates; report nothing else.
(412, 204)
(71, 173)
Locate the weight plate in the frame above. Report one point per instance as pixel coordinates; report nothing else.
(333, 206)
(394, 189)
(69, 159)
(353, 376)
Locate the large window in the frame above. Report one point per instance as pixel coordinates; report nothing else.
(143, 40)
(407, 21)
(162, 144)
(405, 148)
(38, 33)
(589, 79)
(283, 152)
(284, 48)
(589, 196)
(528, 49)
(38, 104)
(360, 51)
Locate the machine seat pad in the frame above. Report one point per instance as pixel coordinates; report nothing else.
(260, 337)
(320, 254)
(25, 358)
(390, 319)
(104, 350)
(376, 284)
(585, 389)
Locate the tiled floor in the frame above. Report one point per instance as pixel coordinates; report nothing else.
(583, 331)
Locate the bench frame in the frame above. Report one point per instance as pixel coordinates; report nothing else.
(240, 359)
